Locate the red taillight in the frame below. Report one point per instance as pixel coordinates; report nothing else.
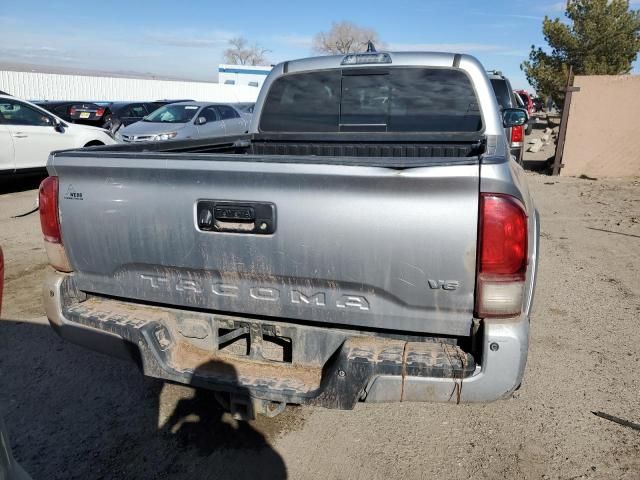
(50, 223)
(503, 230)
(72, 111)
(502, 258)
(48, 204)
(517, 134)
(100, 112)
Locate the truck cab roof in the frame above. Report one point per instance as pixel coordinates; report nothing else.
(443, 59)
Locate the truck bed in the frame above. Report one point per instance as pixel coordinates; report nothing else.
(394, 151)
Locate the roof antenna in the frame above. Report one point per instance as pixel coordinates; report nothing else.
(371, 48)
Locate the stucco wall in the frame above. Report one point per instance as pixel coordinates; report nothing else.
(603, 131)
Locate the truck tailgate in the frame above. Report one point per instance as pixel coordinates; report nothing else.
(362, 246)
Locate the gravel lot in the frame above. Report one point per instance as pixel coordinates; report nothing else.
(73, 413)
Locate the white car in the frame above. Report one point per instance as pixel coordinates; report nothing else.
(29, 133)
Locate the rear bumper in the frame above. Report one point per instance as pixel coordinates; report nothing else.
(518, 153)
(498, 376)
(327, 366)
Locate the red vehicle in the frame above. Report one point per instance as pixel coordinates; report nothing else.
(528, 101)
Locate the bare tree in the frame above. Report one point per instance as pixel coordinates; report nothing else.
(344, 37)
(241, 53)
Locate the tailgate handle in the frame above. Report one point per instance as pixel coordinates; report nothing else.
(236, 217)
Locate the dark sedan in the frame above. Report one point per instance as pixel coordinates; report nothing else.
(121, 114)
(60, 108)
(109, 115)
(76, 111)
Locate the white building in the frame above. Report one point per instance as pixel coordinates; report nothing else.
(243, 75)
(53, 86)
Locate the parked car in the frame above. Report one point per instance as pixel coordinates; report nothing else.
(528, 127)
(89, 113)
(185, 120)
(363, 247)
(527, 100)
(60, 108)
(107, 115)
(121, 114)
(507, 99)
(29, 133)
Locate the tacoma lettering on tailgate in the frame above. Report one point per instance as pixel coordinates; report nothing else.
(262, 294)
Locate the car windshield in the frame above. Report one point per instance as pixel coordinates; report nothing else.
(173, 114)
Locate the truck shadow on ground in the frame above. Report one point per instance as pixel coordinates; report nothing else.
(200, 422)
(72, 413)
(21, 182)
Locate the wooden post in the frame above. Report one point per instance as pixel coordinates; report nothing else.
(562, 134)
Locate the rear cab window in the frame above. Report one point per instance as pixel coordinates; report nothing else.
(390, 99)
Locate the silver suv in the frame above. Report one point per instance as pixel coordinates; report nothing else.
(507, 99)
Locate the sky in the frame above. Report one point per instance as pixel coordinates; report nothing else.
(187, 39)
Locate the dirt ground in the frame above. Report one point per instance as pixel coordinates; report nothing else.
(75, 414)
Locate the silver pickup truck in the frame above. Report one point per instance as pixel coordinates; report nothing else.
(371, 239)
